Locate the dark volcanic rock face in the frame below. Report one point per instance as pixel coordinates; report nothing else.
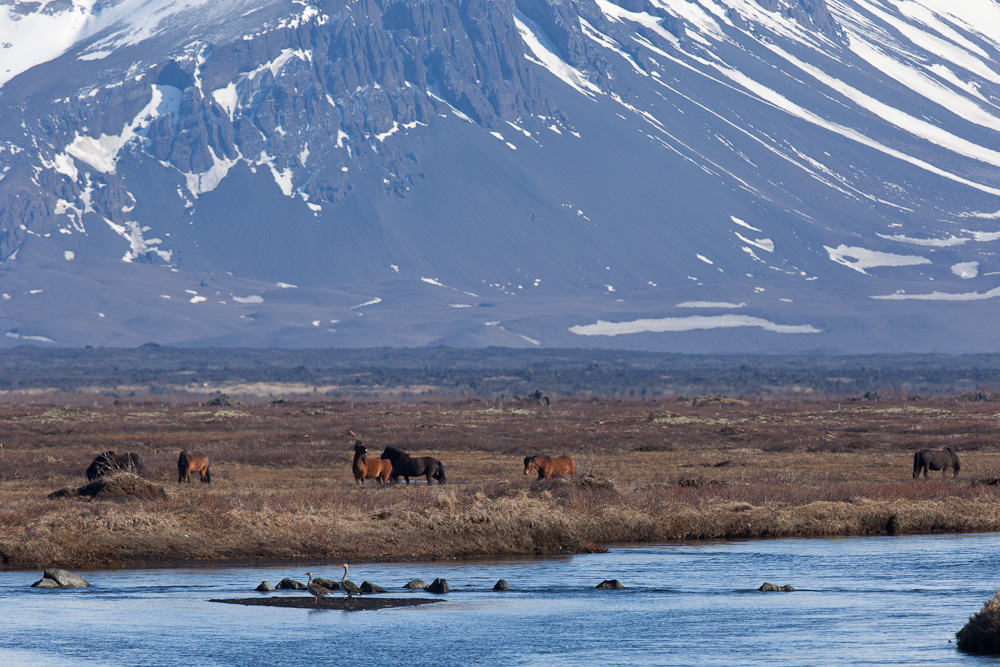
(319, 92)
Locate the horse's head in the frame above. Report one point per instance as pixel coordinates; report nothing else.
(529, 464)
(359, 447)
(390, 454)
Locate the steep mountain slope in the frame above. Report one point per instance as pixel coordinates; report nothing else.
(690, 175)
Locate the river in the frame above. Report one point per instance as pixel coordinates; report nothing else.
(858, 601)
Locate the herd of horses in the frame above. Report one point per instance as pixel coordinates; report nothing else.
(394, 463)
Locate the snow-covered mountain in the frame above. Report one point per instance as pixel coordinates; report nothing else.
(689, 175)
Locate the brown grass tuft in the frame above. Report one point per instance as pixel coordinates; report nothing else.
(982, 633)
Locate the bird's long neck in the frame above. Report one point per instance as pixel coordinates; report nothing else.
(344, 578)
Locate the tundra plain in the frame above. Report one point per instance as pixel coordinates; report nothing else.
(282, 489)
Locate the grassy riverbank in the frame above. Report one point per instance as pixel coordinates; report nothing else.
(282, 488)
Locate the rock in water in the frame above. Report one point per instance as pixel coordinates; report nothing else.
(369, 587)
(287, 584)
(328, 584)
(56, 578)
(265, 587)
(774, 588)
(415, 584)
(610, 584)
(437, 586)
(501, 585)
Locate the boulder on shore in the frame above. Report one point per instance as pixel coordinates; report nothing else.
(982, 633)
(56, 578)
(437, 586)
(774, 588)
(610, 585)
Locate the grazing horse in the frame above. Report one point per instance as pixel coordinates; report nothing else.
(935, 459)
(366, 468)
(189, 462)
(548, 466)
(406, 466)
(111, 462)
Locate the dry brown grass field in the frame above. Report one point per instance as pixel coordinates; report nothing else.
(282, 487)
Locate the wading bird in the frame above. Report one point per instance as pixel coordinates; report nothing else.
(316, 589)
(349, 586)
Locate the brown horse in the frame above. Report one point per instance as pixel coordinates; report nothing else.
(935, 459)
(189, 462)
(548, 466)
(110, 462)
(366, 468)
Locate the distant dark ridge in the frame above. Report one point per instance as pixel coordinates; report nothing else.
(493, 372)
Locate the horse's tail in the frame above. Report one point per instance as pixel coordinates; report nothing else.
(208, 475)
(439, 473)
(954, 460)
(917, 463)
(182, 466)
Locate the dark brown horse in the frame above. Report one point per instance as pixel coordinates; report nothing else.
(406, 466)
(189, 462)
(935, 459)
(109, 462)
(366, 468)
(549, 466)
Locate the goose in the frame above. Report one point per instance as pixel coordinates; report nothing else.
(316, 589)
(349, 586)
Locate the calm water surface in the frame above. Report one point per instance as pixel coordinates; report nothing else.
(859, 601)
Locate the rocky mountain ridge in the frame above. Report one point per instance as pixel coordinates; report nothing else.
(659, 174)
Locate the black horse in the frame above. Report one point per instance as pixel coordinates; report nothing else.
(935, 459)
(406, 466)
(111, 462)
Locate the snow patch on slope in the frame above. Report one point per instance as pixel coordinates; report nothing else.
(861, 259)
(101, 152)
(693, 323)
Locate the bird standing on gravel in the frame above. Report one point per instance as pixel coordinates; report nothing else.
(316, 589)
(349, 586)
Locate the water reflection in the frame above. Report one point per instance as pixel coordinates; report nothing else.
(878, 601)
